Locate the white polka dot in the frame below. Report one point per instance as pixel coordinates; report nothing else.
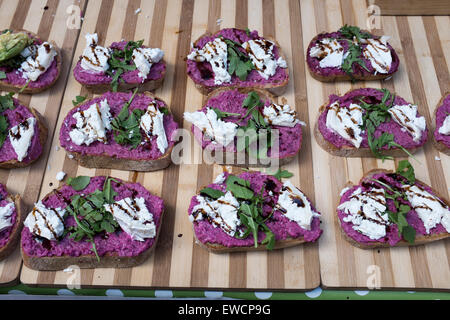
(65, 292)
(361, 292)
(314, 293)
(16, 292)
(213, 294)
(163, 293)
(263, 295)
(114, 293)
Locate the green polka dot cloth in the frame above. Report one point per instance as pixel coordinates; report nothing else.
(316, 294)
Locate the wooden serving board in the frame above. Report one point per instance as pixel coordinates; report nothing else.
(423, 47)
(48, 20)
(177, 262)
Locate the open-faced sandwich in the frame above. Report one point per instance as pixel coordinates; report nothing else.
(118, 130)
(120, 67)
(11, 222)
(22, 134)
(351, 54)
(442, 120)
(27, 63)
(389, 209)
(247, 127)
(253, 211)
(237, 58)
(370, 123)
(91, 223)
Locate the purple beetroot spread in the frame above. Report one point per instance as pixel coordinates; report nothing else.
(15, 77)
(6, 233)
(442, 112)
(282, 227)
(118, 243)
(116, 100)
(15, 117)
(290, 139)
(401, 137)
(392, 237)
(130, 77)
(313, 62)
(201, 72)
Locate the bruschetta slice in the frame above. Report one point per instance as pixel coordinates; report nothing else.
(11, 222)
(237, 58)
(247, 127)
(370, 122)
(120, 67)
(253, 211)
(351, 54)
(118, 130)
(27, 63)
(441, 134)
(22, 134)
(92, 223)
(387, 209)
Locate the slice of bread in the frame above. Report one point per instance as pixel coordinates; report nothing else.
(5, 86)
(344, 76)
(106, 161)
(87, 261)
(109, 260)
(17, 228)
(43, 134)
(420, 239)
(288, 241)
(101, 87)
(234, 156)
(437, 144)
(83, 262)
(276, 89)
(281, 244)
(351, 151)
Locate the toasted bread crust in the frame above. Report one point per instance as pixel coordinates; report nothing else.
(275, 89)
(150, 85)
(89, 261)
(437, 144)
(16, 88)
(421, 239)
(15, 233)
(280, 244)
(344, 77)
(43, 134)
(353, 152)
(107, 162)
(234, 156)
